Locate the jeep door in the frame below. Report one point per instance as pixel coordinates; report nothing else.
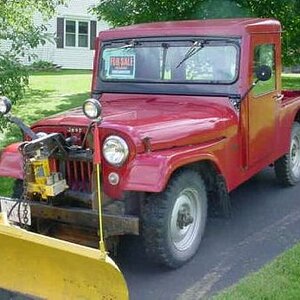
(263, 99)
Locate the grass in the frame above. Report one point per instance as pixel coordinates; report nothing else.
(61, 72)
(277, 280)
(48, 93)
(291, 81)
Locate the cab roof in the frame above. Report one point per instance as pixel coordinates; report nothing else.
(211, 27)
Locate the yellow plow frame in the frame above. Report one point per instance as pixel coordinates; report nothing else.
(49, 268)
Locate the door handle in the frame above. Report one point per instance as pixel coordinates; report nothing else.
(278, 97)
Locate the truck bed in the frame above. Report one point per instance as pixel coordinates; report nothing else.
(289, 95)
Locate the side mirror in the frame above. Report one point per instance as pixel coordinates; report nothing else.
(5, 105)
(263, 73)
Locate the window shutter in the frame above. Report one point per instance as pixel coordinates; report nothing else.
(60, 32)
(93, 32)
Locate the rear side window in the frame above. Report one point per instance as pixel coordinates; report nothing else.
(264, 55)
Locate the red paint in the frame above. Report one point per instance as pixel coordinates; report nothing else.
(11, 162)
(222, 27)
(97, 147)
(188, 129)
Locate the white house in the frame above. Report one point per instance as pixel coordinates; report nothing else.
(75, 30)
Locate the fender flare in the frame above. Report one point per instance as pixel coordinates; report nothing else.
(151, 172)
(11, 162)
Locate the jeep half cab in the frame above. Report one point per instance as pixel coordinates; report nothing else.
(189, 111)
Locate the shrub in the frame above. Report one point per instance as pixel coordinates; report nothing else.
(13, 79)
(42, 65)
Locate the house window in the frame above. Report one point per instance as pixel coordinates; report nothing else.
(77, 34)
(83, 34)
(71, 33)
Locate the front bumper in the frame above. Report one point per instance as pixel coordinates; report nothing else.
(84, 220)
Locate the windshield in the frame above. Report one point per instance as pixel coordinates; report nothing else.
(201, 61)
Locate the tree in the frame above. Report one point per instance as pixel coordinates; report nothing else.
(126, 12)
(18, 34)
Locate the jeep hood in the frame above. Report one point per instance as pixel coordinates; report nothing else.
(168, 121)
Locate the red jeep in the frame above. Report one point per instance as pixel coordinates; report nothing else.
(189, 110)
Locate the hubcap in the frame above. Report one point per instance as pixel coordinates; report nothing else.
(295, 156)
(185, 219)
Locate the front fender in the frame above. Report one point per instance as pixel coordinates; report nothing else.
(11, 162)
(150, 172)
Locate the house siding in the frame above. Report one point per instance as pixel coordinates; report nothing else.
(66, 57)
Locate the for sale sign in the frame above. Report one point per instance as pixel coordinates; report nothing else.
(122, 66)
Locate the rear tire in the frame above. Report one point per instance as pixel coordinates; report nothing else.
(287, 168)
(173, 221)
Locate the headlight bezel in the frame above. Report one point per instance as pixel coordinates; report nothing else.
(95, 104)
(119, 142)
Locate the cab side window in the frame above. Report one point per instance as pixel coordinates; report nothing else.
(264, 55)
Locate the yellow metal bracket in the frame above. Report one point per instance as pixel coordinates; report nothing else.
(101, 242)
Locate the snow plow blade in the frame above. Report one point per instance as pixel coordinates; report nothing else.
(48, 268)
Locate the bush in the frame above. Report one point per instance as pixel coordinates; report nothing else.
(42, 65)
(13, 80)
(13, 77)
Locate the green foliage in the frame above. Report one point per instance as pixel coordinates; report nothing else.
(13, 79)
(16, 23)
(287, 12)
(19, 34)
(42, 65)
(124, 12)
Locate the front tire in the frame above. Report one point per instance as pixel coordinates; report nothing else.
(173, 221)
(287, 168)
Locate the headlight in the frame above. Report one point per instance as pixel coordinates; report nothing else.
(115, 150)
(5, 105)
(92, 108)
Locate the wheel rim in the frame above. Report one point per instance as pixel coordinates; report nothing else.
(295, 156)
(185, 219)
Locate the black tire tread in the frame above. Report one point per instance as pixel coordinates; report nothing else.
(153, 224)
(282, 167)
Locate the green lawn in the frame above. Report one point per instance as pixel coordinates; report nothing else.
(291, 81)
(278, 280)
(48, 93)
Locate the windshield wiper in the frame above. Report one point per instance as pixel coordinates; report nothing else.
(128, 45)
(197, 46)
(131, 44)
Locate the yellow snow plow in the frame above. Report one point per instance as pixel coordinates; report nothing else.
(49, 268)
(42, 266)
